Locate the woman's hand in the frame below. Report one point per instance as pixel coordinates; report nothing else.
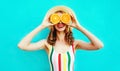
(74, 22)
(46, 22)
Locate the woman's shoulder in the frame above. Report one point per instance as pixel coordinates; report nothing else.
(75, 43)
(47, 44)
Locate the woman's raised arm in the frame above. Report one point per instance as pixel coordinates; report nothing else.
(94, 44)
(25, 42)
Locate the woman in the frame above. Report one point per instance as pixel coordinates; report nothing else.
(60, 44)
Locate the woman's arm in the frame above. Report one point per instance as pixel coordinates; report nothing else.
(25, 42)
(79, 44)
(93, 45)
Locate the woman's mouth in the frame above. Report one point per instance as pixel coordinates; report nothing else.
(60, 25)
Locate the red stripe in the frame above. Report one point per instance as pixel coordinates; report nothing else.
(59, 62)
(73, 48)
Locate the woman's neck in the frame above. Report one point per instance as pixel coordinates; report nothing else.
(61, 36)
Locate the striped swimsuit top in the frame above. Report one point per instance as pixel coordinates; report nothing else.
(61, 61)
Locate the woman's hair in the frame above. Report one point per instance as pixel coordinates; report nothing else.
(52, 37)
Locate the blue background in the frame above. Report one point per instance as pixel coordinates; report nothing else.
(19, 17)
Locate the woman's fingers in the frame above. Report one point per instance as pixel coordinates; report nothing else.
(48, 24)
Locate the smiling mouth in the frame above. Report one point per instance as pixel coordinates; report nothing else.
(60, 25)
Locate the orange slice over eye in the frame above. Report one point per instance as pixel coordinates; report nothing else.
(66, 18)
(54, 18)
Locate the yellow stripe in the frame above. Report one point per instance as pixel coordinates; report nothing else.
(64, 62)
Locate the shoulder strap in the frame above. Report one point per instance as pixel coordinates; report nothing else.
(73, 48)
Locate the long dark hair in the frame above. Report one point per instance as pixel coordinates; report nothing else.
(53, 36)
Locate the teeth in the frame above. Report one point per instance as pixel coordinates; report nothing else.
(60, 26)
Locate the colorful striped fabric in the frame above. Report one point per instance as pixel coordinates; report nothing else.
(61, 61)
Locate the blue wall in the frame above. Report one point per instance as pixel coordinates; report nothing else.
(19, 17)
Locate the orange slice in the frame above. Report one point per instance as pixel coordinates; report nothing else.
(66, 18)
(54, 18)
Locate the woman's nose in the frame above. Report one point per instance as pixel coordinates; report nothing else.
(60, 22)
